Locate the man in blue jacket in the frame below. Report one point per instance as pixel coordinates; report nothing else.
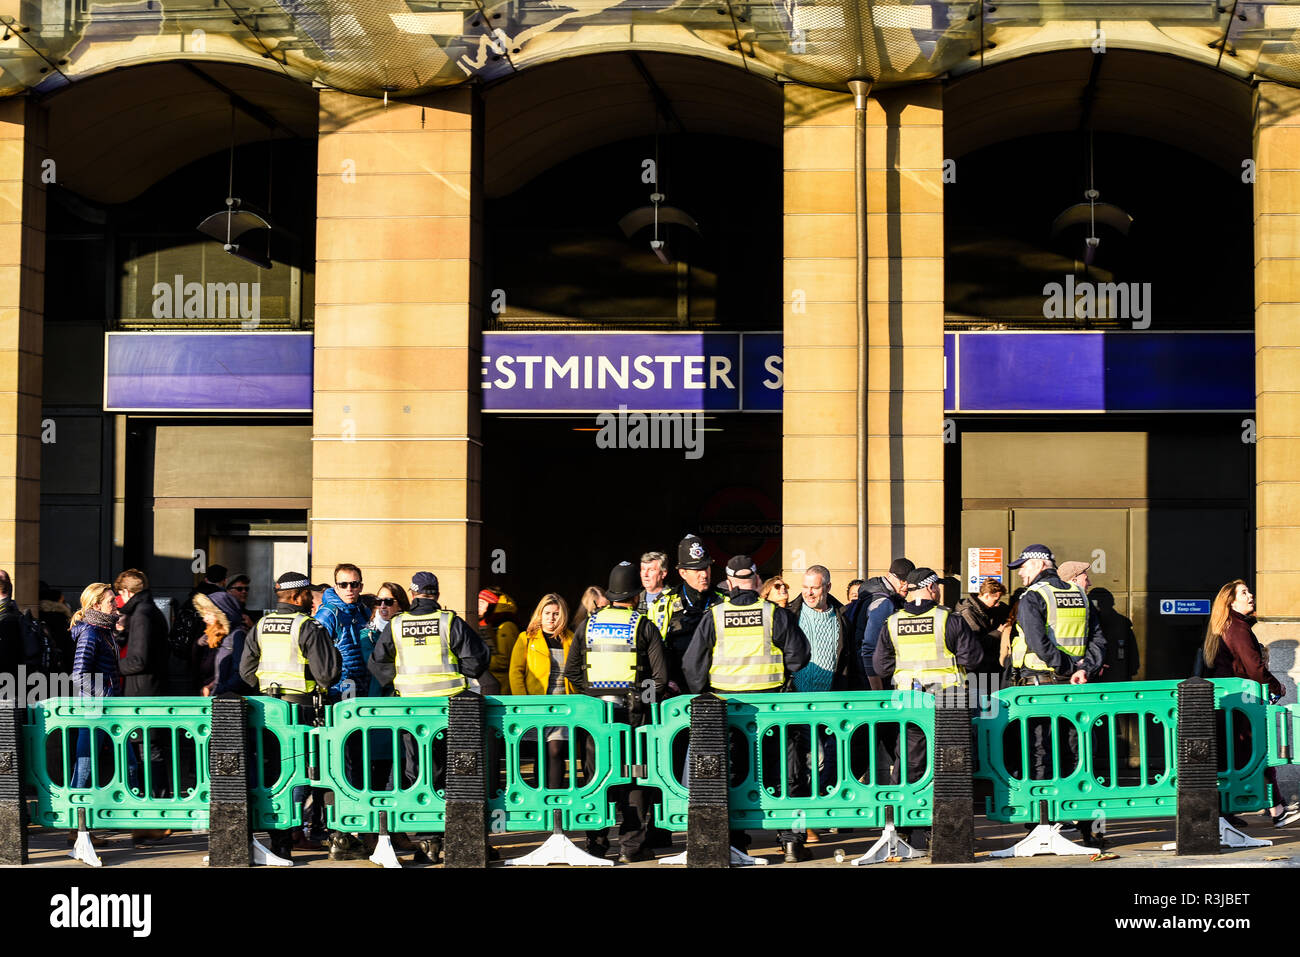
(343, 616)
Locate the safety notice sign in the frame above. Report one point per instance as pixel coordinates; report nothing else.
(982, 563)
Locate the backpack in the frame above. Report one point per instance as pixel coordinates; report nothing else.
(40, 653)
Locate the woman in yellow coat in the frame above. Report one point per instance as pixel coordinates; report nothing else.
(535, 667)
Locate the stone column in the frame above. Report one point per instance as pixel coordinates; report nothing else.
(905, 327)
(22, 307)
(396, 437)
(819, 488)
(1277, 384)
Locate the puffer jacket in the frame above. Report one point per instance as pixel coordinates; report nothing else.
(499, 629)
(343, 623)
(94, 668)
(530, 664)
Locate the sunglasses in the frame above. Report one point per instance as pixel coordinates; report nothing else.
(385, 601)
(347, 584)
(780, 588)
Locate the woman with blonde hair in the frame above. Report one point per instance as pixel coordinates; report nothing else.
(1231, 650)
(776, 591)
(94, 668)
(536, 664)
(592, 598)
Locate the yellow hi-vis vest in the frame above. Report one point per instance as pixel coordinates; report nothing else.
(1067, 626)
(744, 657)
(611, 648)
(663, 610)
(425, 664)
(921, 655)
(282, 662)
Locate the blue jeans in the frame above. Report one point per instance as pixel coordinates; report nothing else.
(81, 770)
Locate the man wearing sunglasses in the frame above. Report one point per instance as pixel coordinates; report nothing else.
(343, 616)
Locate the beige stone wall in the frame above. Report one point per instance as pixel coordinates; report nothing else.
(905, 327)
(819, 487)
(396, 439)
(22, 305)
(904, 467)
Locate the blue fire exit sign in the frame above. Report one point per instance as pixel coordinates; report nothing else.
(1184, 606)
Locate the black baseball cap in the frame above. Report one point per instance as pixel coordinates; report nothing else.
(1041, 552)
(901, 568)
(741, 566)
(424, 583)
(624, 582)
(691, 553)
(921, 578)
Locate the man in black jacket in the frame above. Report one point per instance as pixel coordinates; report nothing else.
(678, 610)
(626, 667)
(144, 669)
(782, 628)
(878, 598)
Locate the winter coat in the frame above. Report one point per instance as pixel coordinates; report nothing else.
(983, 623)
(1240, 655)
(144, 667)
(96, 654)
(225, 664)
(499, 629)
(530, 663)
(344, 623)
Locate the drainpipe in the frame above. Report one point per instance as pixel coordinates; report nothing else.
(861, 90)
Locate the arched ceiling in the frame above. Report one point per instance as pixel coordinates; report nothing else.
(557, 111)
(1184, 104)
(412, 46)
(111, 140)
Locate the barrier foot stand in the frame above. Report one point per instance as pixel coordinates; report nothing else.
(889, 847)
(738, 859)
(262, 855)
(1044, 839)
(384, 855)
(558, 849)
(1229, 836)
(83, 850)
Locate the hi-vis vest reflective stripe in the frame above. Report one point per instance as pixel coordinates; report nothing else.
(920, 652)
(611, 648)
(744, 657)
(1067, 626)
(663, 610)
(282, 662)
(425, 664)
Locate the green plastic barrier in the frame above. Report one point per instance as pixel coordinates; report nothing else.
(419, 808)
(115, 798)
(760, 793)
(1127, 751)
(529, 802)
(278, 760)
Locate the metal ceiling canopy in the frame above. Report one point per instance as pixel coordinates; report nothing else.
(405, 47)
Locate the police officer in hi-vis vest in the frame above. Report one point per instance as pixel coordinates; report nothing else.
(745, 645)
(289, 655)
(427, 652)
(617, 655)
(1058, 639)
(678, 610)
(924, 647)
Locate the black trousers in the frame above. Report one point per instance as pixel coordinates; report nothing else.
(631, 801)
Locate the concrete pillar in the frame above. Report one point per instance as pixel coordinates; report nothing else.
(22, 307)
(905, 327)
(396, 437)
(819, 487)
(1277, 383)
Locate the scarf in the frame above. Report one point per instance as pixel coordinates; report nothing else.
(99, 619)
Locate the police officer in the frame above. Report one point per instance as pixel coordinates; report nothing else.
(427, 652)
(745, 646)
(1058, 639)
(289, 655)
(925, 647)
(678, 610)
(617, 655)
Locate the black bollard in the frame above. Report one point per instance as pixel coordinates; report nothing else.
(952, 833)
(465, 842)
(708, 828)
(229, 822)
(13, 806)
(1197, 825)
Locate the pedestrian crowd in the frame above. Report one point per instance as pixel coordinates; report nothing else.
(633, 642)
